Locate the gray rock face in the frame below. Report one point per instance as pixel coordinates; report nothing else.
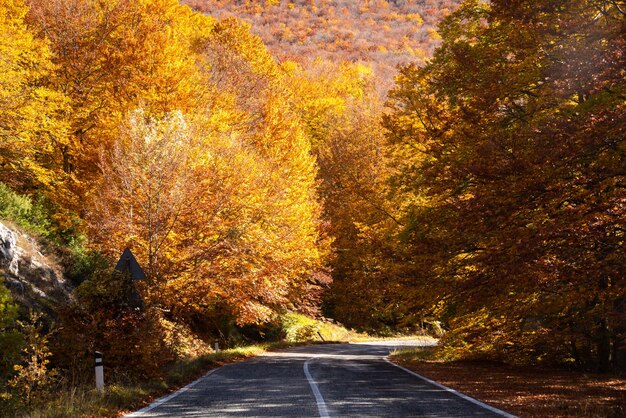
(33, 276)
(8, 246)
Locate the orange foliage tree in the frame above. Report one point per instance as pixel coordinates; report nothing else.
(219, 201)
(514, 134)
(112, 57)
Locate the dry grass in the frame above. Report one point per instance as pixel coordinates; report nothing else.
(525, 391)
(425, 339)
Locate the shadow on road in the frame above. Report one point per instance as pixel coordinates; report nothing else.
(353, 380)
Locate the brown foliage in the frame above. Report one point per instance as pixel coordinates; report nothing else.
(517, 143)
(103, 319)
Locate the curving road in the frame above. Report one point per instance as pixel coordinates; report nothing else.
(335, 380)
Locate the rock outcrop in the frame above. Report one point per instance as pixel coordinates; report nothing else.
(35, 278)
(8, 245)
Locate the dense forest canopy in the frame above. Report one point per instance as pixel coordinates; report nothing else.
(378, 33)
(261, 168)
(510, 148)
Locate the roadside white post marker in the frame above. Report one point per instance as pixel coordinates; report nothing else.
(99, 371)
(217, 346)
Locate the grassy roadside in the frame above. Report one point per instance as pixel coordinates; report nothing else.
(523, 391)
(121, 397)
(426, 339)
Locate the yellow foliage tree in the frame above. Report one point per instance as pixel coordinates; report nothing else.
(257, 244)
(112, 57)
(341, 109)
(31, 126)
(218, 200)
(144, 187)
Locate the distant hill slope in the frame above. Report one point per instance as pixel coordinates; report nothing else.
(383, 33)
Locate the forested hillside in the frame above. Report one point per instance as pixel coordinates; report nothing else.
(273, 168)
(379, 33)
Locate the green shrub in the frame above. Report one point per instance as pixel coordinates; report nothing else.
(298, 327)
(13, 206)
(81, 263)
(301, 328)
(20, 209)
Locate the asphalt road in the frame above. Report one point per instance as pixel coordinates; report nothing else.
(338, 380)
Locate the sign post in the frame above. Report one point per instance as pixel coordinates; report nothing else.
(99, 371)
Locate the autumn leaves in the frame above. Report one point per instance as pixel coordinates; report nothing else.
(173, 134)
(490, 200)
(513, 135)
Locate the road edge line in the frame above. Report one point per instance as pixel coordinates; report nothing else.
(459, 394)
(319, 399)
(166, 398)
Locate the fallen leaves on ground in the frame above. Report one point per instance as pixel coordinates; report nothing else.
(531, 391)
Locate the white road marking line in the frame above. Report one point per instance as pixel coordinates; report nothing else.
(164, 399)
(319, 399)
(459, 394)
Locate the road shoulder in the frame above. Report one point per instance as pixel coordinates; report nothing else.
(529, 391)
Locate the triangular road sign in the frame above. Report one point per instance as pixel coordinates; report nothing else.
(128, 263)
